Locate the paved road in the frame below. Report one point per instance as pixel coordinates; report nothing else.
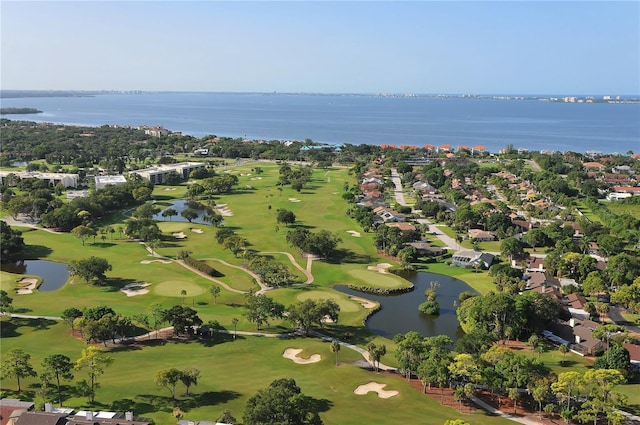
(433, 229)
(615, 314)
(398, 192)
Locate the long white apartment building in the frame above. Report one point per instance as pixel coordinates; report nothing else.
(158, 174)
(116, 180)
(67, 180)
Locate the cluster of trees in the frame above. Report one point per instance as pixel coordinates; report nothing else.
(392, 240)
(322, 243)
(38, 201)
(169, 379)
(91, 269)
(99, 323)
(302, 314)
(296, 177)
(273, 273)
(307, 313)
(57, 367)
(282, 402)
(431, 306)
(433, 361)
(508, 316)
(11, 242)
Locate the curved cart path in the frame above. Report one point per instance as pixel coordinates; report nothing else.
(306, 271)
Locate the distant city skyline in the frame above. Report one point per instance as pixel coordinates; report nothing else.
(478, 47)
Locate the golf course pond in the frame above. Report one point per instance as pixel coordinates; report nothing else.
(400, 314)
(54, 275)
(179, 206)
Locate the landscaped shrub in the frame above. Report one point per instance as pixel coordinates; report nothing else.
(203, 267)
(380, 291)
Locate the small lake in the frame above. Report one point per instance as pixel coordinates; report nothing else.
(400, 314)
(54, 275)
(180, 206)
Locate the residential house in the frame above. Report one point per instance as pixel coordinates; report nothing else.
(535, 264)
(481, 235)
(593, 166)
(634, 354)
(578, 334)
(472, 258)
(41, 418)
(11, 408)
(405, 227)
(424, 248)
(576, 303)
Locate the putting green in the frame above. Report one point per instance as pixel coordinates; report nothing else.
(380, 280)
(345, 304)
(173, 288)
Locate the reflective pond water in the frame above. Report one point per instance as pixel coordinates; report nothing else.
(54, 275)
(179, 206)
(400, 314)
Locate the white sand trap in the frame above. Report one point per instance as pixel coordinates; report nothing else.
(365, 303)
(354, 233)
(29, 287)
(169, 188)
(294, 200)
(255, 178)
(224, 210)
(155, 261)
(179, 235)
(292, 354)
(375, 387)
(196, 230)
(380, 267)
(133, 289)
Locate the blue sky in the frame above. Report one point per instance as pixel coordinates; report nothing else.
(510, 47)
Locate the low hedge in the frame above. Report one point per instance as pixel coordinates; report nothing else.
(203, 267)
(380, 291)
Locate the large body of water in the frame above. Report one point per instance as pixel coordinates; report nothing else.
(495, 124)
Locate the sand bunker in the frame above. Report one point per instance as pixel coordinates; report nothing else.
(196, 230)
(294, 200)
(169, 188)
(365, 303)
(354, 233)
(29, 285)
(255, 178)
(375, 387)
(292, 354)
(224, 210)
(179, 235)
(133, 289)
(380, 267)
(155, 261)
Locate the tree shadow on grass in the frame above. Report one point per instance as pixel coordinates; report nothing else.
(9, 328)
(155, 403)
(351, 334)
(319, 405)
(103, 245)
(35, 252)
(114, 284)
(340, 256)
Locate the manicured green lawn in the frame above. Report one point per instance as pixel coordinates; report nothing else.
(231, 373)
(632, 210)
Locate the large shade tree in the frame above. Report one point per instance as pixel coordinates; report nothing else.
(281, 403)
(11, 242)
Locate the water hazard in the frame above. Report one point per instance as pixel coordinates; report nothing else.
(54, 275)
(400, 314)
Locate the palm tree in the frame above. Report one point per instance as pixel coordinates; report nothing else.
(564, 349)
(215, 291)
(235, 326)
(184, 294)
(335, 348)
